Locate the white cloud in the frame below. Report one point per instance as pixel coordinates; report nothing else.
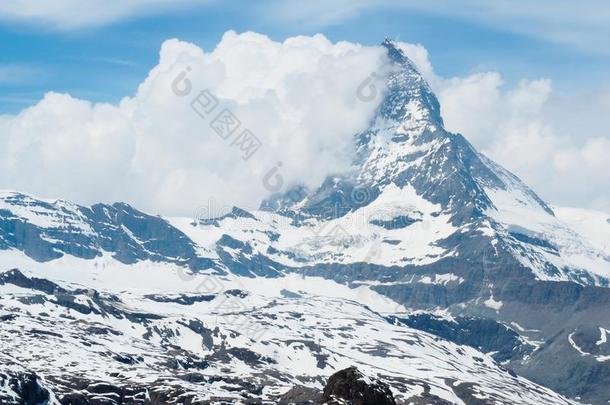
(72, 14)
(153, 150)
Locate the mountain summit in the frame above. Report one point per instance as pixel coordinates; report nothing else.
(409, 95)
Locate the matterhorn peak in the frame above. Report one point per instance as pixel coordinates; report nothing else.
(395, 53)
(408, 95)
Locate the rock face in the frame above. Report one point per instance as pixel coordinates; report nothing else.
(352, 387)
(21, 387)
(486, 335)
(301, 396)
(52, 229)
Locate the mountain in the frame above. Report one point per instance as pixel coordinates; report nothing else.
(427, 266)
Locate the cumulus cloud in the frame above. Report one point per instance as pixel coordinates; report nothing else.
(298, 97)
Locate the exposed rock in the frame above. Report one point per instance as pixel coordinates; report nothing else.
(352, 387)
(301, 395)
(25, 387)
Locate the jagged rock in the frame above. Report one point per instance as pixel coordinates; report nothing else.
(301, 395)
(486, 335)
(25, 387)
(352, 387)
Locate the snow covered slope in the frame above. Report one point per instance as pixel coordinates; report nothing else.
(594, 226)
(230, 345)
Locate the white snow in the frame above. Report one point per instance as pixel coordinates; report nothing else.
(575, 346)
(603, 337)
(441, 279)
(349, 239)
(592, 225)
(515, 210)
(493, 304)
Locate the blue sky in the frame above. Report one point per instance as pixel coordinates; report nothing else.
(106, 60)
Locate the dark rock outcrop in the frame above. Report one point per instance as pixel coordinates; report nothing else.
(350, 386)
(301, 395)
(26, 386)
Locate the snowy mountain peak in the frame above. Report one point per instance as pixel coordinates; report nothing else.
(408, 94)
(409, 165)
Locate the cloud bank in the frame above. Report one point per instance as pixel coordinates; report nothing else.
(297, 97)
